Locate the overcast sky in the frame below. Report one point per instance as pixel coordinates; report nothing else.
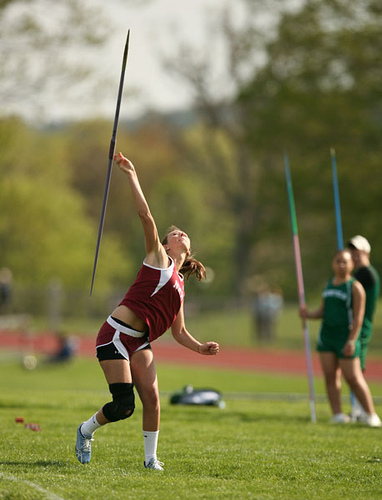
(156, 27)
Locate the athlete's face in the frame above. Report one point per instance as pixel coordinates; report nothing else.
(178, 240)
(342, 264)
(360, 258)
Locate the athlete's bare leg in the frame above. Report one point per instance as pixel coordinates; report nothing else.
(146, 382)
(329, 364)
(351, 369)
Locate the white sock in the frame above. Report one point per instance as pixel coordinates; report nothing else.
(150, 439)
(90, 426)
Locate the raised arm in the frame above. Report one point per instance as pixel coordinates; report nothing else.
(155, 253)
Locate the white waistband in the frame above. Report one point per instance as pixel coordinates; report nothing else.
(125, 329)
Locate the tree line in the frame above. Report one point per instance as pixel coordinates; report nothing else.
(220, 177)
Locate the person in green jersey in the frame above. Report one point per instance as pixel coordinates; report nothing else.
(369, 278)
(341, 310)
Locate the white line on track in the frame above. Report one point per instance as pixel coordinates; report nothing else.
(48, 494)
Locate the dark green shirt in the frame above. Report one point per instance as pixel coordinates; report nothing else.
(338, 304)
(369, 278)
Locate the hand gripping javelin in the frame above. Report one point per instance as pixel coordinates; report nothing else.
(111, 157)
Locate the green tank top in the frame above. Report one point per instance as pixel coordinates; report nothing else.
(338, 304)
(370, 280)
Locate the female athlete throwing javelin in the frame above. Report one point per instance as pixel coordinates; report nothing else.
(152, 305)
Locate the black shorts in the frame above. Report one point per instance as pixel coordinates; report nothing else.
(109, 351)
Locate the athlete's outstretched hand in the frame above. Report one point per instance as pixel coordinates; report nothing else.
(209, 348)
(123, 163)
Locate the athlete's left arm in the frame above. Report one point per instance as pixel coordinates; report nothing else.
(184, 338)
(359, 299)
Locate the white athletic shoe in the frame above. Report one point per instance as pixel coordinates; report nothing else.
(340, 418)
(154, 464)
(373, 420)
(83, 446)
(358, 414)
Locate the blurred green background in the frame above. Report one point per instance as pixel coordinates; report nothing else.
(215, 169)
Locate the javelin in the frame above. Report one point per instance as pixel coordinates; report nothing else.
(340, 238)
(300, 284)
(111, 157)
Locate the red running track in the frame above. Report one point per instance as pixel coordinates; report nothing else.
(167, 350)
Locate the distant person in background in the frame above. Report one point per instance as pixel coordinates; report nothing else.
(67, 348)
(5, 289)
(342, 309)
(152, 305)
(267, 305)
(369, 278)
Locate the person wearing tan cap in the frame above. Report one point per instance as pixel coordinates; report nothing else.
(369, 278)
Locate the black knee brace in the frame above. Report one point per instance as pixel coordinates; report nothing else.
(122, 405)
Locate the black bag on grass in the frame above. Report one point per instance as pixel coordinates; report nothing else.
(190, 396)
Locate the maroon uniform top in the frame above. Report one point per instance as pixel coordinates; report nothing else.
(156, 297)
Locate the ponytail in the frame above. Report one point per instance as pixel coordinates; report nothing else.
(192, 266)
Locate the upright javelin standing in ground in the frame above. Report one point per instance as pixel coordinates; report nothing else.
(342, 309)
(152, 305)
(369, 278)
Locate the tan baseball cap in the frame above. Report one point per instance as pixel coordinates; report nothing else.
(359, 243)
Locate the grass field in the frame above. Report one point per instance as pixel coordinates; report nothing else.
(261, 446)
